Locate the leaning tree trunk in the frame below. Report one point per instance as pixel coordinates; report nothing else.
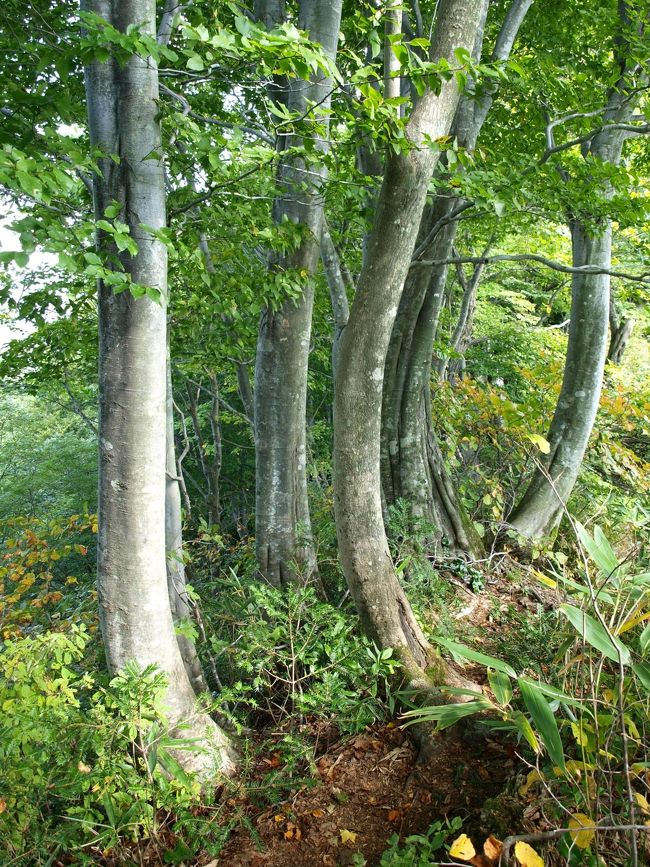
(134, 604)
(544, 501)
(412, 464)
(382, 604)
(285, 551)
(541, 507)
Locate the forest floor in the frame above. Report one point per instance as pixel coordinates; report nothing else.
(361, 791)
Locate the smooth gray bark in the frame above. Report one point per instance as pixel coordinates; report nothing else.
(412, 464)
(382, 604)
(176, 583)
(135, 612)
(337, 284)
(284, 546)
(544, 501)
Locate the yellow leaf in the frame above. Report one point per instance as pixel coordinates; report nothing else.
(462, 848)
(279, 817)
(83, 769)
(533, 777)
(542, 444)
(347, 836)
(642, 802)
(527, 856)
(582, 839)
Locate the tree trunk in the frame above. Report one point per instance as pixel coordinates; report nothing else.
(620, 332)
(134, 604)
(178, 598)
(285, 551)
(541, 507)
(412, 463)
(544, 501)
(383, 607)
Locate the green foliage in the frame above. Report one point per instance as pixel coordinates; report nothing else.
(86, 765)
(285, 653)
(419, 850)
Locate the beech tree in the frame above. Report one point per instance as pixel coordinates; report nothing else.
(284, 545)
(381, 601)
(412, 463)
(544, 502)
(136, 619)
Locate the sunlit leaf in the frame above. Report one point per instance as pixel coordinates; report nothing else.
(582, 839)
(527, 856)
(462, 848)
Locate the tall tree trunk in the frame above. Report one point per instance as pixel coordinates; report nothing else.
(176, 584)
(412, 464)
(135, 613)
(382, 604)
(285, 551)
(540, 509)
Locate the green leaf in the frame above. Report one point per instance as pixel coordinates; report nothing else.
(644, 639)
(446, 714)
(595, 634)
(642, 671)
(501, 686)
(554, 693)
(544, 720)
(599, 549)
(466, 653)
(195, 62)
(522, 724)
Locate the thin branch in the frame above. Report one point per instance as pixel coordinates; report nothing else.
(522, 257)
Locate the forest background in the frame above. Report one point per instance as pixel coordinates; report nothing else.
(373, 421)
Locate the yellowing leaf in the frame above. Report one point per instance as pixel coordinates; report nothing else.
(83, 769)
(527, 856)
(3, 805)
(492, 849)
(542, 444)
(582, 839)
(533, 777)
(642, 802)
(462, 848)
(347, 836)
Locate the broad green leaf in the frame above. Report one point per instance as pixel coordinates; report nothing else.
(599, 549)
(501, 686)
(544, 720)
(595, 634)
(521, 722)
(466, 653)
(642, 672)
(554, 692)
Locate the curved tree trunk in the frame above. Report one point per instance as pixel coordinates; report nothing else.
(541, 507)
(285, 551)
(412, 463)
(544, 501)
(134, 604)
(383, 607)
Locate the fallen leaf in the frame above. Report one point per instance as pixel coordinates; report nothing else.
(279, 817)
(394, 815)
(492, 848)
(347, 836)
(533, 777)
(642, 802)
(527, 856)
(582, 839)
(462, 848)
(318, 814)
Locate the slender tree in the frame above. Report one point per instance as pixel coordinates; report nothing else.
(382, 604)
(136, 619)
(412, 464)
(284, 545)
(540, 509)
